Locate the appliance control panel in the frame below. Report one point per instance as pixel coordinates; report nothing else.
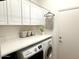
(40, 46)
(32, 50)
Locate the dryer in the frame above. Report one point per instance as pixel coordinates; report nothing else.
(48, 49)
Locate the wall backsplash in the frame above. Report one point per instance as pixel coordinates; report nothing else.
(12, 32)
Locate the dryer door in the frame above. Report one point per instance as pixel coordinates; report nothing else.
(49, 53)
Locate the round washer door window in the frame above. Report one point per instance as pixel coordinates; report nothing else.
(49, 54)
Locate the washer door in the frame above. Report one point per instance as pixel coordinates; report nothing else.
(49, 53)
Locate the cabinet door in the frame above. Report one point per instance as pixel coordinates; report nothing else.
(25, 12)
(14, 12)
(36, 15)
(3, 14)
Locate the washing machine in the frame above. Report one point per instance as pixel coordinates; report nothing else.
(33, 52)
(48, 48)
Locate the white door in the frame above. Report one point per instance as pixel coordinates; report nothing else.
(36, 15)
(3, 14)
(69, 34)
(26, 12)
(14, 12)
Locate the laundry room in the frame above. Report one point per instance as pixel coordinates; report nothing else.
(39, 29)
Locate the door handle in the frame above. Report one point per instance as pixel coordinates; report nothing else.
(60, 39)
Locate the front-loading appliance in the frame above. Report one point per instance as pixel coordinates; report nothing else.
(33, 52)
(48, 48)
(41, 50)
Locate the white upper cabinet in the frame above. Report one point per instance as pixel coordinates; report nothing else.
(14, 12)
(25, 12)
(21, 12)
(36, 15)
(3, 14)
